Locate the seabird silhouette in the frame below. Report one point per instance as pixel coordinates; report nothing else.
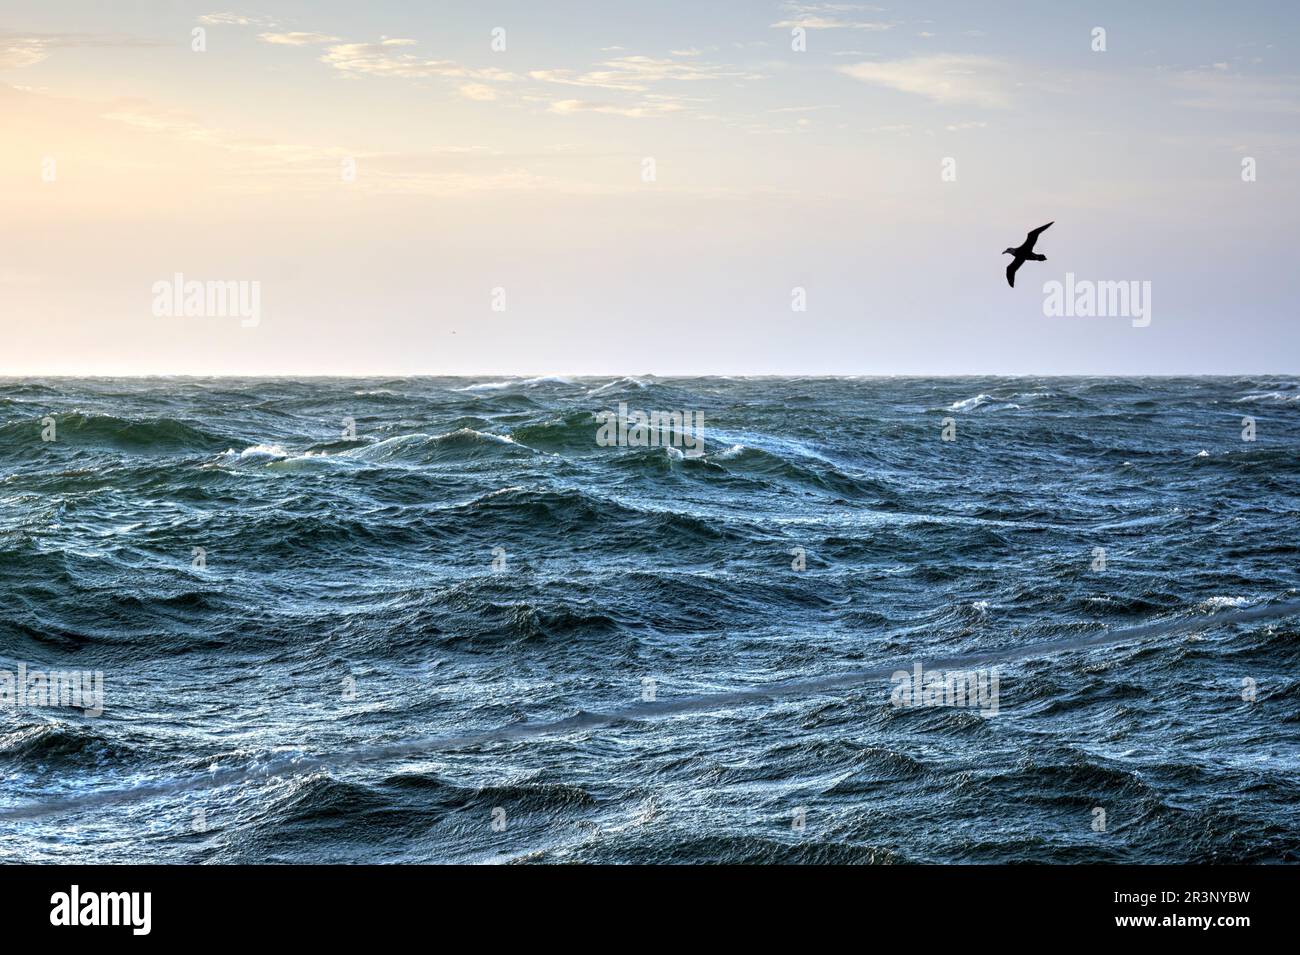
(1026, 251)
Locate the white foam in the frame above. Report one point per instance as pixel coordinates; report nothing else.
(266, 452)
(786, 448)
(381, 449)
(1270, 396)
(518, 383)
(1218, 603)
(970, 404)
(470, 432)
(620, 385)
(979, 401)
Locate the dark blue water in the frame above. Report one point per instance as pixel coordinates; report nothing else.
(350, 602)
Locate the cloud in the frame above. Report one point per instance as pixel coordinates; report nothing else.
(830, 16)
(478, 91)
(636, 74)
(628, 74)
(948, 79)
(18, 50)
(381, 59)
(146, 136)
(15, 54)
(182, 127)
(235, 19)
(637, 111)
(296, 39)
(1237, 93)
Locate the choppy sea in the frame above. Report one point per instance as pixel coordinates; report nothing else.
(316, 608)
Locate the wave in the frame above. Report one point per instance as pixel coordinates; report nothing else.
(518, 383)
(981, 401)
(111, 431)
(511, 623)
(784, 447)
(812, 471)
(672, 847)
(462, 444)
(621, 384)
(1218, 603)
(578, 511)
(575, 431)
(619, 528)
(1270, 396)
(253, 453)
(60, 744)
(535, 796)
(970, 404)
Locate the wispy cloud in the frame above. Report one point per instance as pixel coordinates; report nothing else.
(15, 54)
(235, 19)
(384, 59)
(831, 16)
(635, 111)
(479, 91)
(1237, 93)
(296, 39)
(637, 74)
(948, 79)
(18, 50)
(182, 127)
(266, 166)
(629, 74)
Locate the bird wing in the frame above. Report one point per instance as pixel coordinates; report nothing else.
(1033, 236)
(1011, 271)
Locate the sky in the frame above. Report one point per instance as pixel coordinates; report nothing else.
(683, 187)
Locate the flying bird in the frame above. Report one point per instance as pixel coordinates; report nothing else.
(1026, 251)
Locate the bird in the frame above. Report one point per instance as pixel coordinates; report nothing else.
(1026, 251)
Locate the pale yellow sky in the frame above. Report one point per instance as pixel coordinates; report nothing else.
(409, 198)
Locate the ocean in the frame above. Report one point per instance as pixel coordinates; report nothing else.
(333, 620)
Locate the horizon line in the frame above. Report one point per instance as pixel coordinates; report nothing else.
(9, 376)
